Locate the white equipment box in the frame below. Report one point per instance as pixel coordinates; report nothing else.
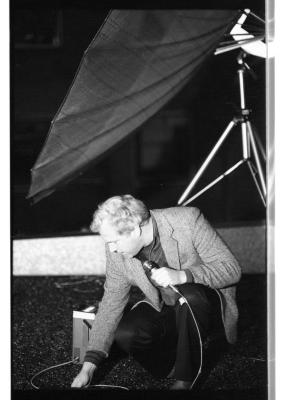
(82, 324)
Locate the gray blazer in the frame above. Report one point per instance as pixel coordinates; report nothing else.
(189, 242)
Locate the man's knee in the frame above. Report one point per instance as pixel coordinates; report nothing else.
(132, 337)
(194, 293)
(124, 338)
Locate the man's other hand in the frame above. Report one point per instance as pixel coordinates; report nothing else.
(167, 276)
(85, 375)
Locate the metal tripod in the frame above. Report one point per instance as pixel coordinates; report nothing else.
(250, 144)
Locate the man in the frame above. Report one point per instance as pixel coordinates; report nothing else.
(165, 332)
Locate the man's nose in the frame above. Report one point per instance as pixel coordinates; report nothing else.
(113, 247)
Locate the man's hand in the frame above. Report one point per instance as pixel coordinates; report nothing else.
(167, 276)
(84, 376)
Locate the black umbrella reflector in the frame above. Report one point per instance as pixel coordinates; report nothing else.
(136, 63)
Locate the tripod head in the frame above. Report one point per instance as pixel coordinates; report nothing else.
(246, 68)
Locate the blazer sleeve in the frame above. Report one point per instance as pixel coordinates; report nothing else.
(111, 307)
(219, 267)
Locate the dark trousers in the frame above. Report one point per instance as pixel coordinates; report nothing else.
(174, 337)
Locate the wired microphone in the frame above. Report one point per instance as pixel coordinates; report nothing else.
(148, 266)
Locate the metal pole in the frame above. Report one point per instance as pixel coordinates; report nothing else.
(207, 161)
(241, 87)
(245, 138)
(245, 141)
(215, 181)
(256, 157)
(257, 17)
(258, 142)
(238, 45)
(256, 182)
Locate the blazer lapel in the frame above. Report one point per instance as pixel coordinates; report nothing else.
(168, 240)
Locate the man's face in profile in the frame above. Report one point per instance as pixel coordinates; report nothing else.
(127, 244)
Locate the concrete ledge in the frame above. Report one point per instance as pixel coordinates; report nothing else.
(248, 244)
(85, 255)
(75, 255)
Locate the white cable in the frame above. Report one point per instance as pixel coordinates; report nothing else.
(201, 345)
(67, 363)
(107, 386)
(49, 368)
(149, 265)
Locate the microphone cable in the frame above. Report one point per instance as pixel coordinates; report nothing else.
(104, 386)
(74, 361)
(148, 266)
(50, 368)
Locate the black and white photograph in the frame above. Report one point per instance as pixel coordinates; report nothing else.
(142, 200)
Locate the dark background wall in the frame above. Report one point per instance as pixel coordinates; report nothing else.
(157, 161)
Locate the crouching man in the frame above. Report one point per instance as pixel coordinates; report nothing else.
(166, 331)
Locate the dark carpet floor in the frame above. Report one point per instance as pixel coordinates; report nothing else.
(42, 336)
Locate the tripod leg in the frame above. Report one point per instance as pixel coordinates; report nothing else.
(207, 161)
(256, 157)
(227, 172)
(258, 142)
(256, 182)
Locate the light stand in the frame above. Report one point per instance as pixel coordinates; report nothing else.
(250, 146)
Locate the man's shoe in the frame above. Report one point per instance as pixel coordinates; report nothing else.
(181, 385)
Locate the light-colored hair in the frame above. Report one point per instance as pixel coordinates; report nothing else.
(123, 212)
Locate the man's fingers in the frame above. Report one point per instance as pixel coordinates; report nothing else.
(157, 274)
(160, 280)
(76, 383)
(80, 381)
(160, 275)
